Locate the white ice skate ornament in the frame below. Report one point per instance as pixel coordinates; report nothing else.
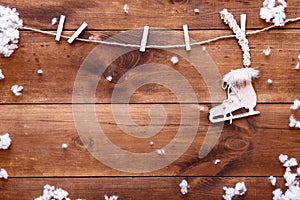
(240, 94)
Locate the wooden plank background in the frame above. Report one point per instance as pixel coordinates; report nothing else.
(41, 119)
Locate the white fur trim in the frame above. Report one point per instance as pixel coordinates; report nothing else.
(241, 76)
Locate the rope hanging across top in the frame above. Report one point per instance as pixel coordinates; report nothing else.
(158, 46)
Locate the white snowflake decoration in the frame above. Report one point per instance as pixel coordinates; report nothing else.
(273, 11)
(9, 34)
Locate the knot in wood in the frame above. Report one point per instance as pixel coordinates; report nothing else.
(237, 144)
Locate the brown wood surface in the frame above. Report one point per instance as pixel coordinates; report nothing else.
(246, 148)
(61, 62)
(109, 15)
(42, 119)
(138, 187)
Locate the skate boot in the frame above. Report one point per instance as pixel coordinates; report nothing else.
(240, 94)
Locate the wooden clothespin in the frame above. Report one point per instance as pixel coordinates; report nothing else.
(77, 33)
(144, 39)
(243, 25)
(186, 38)
(60, 27)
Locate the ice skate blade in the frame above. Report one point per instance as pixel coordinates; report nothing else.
(221, 119)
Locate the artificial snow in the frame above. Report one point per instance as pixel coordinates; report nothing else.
(54, 21)
(269, 81)
(114, 197)
(267, 51)
(9, 34)
(240, 189)
(16, 89)
(298, 170)
(295, 105)
(1, 75)
(290, 163)
(294, 123)
(298, 64)
(40, 71)
(161, 151)
(3, 173)
(91, 37)
(5, 141)
(184, 187)
(216, 161)
(109, 78)
(52, 193)
(273, 11)
(272, 180)
(289, 177)
(201, 108)
(277, 194)
(196, 10)
(174, 60)
(282, 158)
(293, 190)
(125, 8)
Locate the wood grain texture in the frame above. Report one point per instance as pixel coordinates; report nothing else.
(42, 119)
(246, 148)
(129, 188)
(61, 62)
(109, 15)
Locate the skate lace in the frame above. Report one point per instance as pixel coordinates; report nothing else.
(230, 89)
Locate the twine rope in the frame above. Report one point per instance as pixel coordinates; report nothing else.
(157, 46)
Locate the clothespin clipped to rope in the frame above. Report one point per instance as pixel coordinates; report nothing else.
(243, 18)
(186, 38)
(60, 27)
(144, 39)
(77, 32)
